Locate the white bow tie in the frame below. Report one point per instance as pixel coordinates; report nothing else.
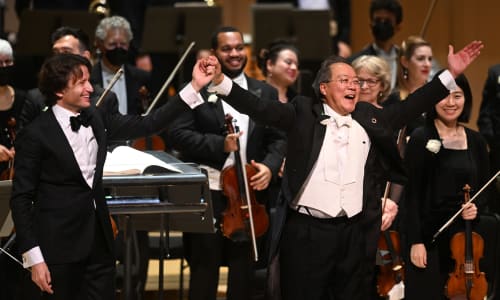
(339, 121)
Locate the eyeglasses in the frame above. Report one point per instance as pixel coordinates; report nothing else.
(346, 82)
(369, 82)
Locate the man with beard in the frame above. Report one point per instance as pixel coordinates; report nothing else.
(385, 21)
(200, 136)
(113, 36)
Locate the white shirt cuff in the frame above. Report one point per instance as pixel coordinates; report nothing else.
(448, 81)
(223, 88)
(32, 257)
(190, 96)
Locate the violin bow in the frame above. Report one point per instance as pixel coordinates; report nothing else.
(463, 207)
(399, 143)
(170, 78)
(117, 76)
(427, 18)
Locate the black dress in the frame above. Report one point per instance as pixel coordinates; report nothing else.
(434, 194)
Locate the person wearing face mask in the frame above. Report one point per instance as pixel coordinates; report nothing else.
(112, 38)
(11, 103)
(385, 21)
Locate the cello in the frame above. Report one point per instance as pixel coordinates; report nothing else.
(467, 281)
(244, 217)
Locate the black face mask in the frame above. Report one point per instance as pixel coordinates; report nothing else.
(382, 30)
(6, 75)
(117, 56)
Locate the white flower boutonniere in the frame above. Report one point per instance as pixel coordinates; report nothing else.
(433, 145)
(212, 98)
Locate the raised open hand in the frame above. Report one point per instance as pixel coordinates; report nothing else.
(458, 62)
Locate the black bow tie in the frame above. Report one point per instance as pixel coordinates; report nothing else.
(80, 120)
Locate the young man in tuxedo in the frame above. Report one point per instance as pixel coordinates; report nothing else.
(339, 151)
(58, 207)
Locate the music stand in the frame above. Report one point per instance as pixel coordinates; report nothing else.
(160, 30)
(269, 22)
(312, 34)
(5, 216)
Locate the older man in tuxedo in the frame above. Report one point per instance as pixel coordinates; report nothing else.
(339, 150)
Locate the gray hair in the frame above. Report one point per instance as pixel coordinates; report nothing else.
(114, 22)
(6, 48)
(378, 67)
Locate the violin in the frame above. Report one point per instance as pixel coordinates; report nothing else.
(8, 173)
(154, 142)
(467, 249)
(391, 271)
(244, 217)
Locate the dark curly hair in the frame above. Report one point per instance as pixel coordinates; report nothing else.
(57, 71)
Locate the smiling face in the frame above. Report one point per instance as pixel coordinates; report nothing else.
(341, 92)
(285, 70)
(76, 95)
(370, 88)
(231, 53)
(450, 108)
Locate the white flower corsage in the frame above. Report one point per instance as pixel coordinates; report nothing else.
(433, 145)
(212, 98)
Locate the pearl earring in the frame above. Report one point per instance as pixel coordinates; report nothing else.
(405, 73)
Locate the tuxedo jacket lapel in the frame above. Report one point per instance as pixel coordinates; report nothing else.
(319, 136)
(257, 92)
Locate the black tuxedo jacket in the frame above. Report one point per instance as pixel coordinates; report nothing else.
(35, 103)
(135, 78)
(199, 134)
(301, 120)
(52, 205)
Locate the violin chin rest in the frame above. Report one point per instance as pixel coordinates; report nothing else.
(239, 236)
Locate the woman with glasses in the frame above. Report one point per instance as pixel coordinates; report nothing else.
(374, 77)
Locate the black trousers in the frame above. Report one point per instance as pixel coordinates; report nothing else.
(92, 278)
(205, 253)
(322, 259)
